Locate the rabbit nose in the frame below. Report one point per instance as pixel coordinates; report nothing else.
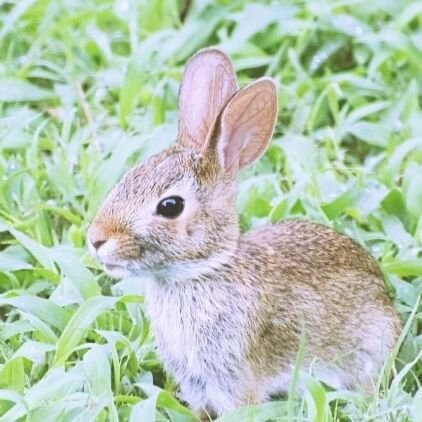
(98, 243)
(97, 236)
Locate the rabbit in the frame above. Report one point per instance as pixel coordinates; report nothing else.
(228, 309)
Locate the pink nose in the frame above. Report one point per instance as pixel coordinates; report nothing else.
(98, 243)
(98, 234)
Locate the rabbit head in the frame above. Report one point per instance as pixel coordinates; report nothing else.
(174, 215)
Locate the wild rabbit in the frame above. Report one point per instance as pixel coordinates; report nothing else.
(228, 309)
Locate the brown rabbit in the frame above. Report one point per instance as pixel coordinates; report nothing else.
(228, 309)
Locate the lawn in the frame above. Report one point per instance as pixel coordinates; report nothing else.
(88, 88)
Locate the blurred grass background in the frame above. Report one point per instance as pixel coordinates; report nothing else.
(88, 88)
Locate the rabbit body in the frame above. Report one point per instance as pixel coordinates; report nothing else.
(231, 336)
(228, 310)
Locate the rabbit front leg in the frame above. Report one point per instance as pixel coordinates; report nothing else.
(218, 394)
(195, 396)
(226, 399)
(193, 391)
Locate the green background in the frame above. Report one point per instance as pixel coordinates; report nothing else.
(88, 88)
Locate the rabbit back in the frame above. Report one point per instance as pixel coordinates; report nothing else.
(324, 286)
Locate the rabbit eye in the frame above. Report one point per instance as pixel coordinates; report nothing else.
(171, 207)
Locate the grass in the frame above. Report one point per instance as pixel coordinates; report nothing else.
(87, 88)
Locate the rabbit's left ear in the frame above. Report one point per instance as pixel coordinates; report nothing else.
(208, 84)
(246, 125)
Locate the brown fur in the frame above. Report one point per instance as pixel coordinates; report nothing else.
(227, 309)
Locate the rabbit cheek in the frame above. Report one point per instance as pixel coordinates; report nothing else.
(183, 232)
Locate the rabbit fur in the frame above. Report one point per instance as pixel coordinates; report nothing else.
(228, 309)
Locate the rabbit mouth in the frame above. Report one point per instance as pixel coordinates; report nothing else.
(111, 267)
(115, 270)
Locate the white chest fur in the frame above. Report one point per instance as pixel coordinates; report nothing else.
(193, 322)
(201, 331)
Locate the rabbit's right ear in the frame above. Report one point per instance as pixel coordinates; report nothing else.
(208, 84)
(246, 125)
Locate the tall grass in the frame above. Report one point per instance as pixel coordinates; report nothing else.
(87, 88)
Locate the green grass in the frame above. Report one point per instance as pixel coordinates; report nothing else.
(89, 87)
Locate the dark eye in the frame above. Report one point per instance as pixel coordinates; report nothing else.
(171, 207)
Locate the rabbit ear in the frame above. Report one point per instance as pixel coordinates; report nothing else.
(247, 124)
(208, 83)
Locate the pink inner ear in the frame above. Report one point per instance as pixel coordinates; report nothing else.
(207, 86)
(194, 119)
(234, 142)
(247, 124)
(209, 94)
